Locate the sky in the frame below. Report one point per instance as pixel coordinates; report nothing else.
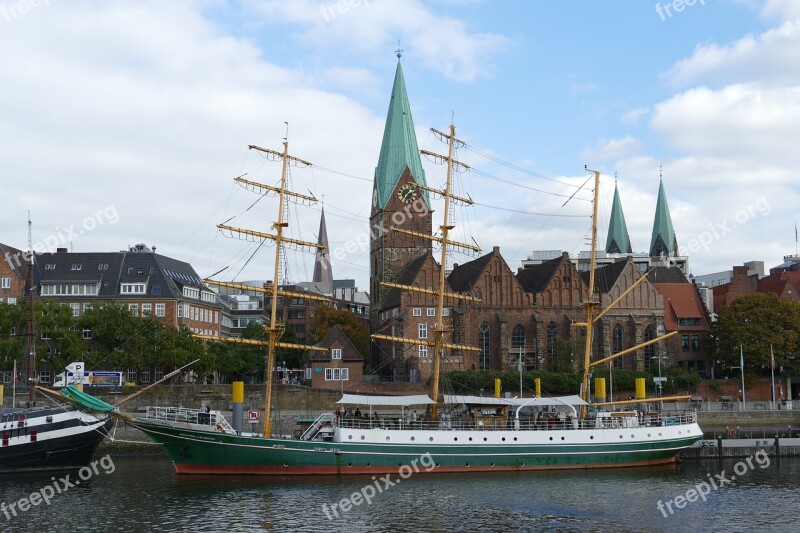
(126, 122)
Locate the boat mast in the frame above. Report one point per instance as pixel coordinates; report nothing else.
(31, 320)
(590, 305)
(438, 345)
(275, 329)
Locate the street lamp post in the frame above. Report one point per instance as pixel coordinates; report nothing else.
(660, 379)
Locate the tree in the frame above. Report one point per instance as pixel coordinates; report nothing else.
(755, 323)
(353, 327)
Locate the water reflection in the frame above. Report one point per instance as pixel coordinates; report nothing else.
(144, 494)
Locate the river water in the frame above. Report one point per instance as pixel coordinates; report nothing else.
(144, 494)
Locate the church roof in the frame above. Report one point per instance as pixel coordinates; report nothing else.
(663, 240)
(399, 148)
(463, 277)
(536, 277)
(606, 276)
(662, 274)
(618, 240)
(407, 276)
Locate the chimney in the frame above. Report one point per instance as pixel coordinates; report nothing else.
(61, 250)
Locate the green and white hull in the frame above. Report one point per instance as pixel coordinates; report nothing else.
(197, 449)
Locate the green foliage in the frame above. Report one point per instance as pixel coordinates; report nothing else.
(755, 323)
(564, 358)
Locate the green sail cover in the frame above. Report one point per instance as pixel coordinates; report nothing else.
(86, 400)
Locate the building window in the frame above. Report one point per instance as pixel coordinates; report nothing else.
(145, 375)
(685, 343)
(134, 309)
(76, 309)
(132, 375)
(552, 335)
(518, 338)
(336, 353)
(416, 311)
(297, 314)
(445, 311)
(431, 311)
(649, 351)
(133, 288)
(695, 343)
(328, 374)
(160, 310)
(147, 309)
(87, 333)
(102, 266)
(158, 373)
(6, 283)
(12, 301)
(483, 345)
(155, 290)
(423, 331)
(76, 266)
(45, 376)
(45, 335)
(87, 307)
(682, 322)
(423, 351)
(308, 374)
(616, 345)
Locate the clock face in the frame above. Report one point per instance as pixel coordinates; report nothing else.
(407, 193)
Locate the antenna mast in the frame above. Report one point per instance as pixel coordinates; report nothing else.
(32, 380)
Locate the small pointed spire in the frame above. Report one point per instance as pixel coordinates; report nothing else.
(323, 274)
(663, 242)
(618, 240)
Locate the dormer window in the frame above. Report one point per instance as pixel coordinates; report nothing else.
(133, 288)
(336, 353)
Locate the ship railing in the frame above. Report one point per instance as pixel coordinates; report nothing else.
(525, 423)
(189, 416)
(321, 421)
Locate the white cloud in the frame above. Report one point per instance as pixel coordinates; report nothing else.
(441, 43)
(771, 57)
(633, 116)
(580, 88)
(739, 121)
(606, 150)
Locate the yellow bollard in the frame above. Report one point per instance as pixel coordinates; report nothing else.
(537, 386)
(496, 387)
(238, 392)
(600, 389)
(640, 389)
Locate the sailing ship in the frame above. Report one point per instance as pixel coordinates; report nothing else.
(474, 434)
(47, 437)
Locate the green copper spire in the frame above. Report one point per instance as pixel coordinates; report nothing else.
(399, 148)
(663, 241)
(618, 241)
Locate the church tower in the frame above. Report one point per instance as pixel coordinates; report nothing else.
(663, 241)
(397, 201)
(618, 241)
(323, 275)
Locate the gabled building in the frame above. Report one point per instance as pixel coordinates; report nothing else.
(684, 312)
(341, 367)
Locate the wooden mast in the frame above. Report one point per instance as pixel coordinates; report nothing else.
(275, 329)
(31, 320)
(590, 304)
(438, 345)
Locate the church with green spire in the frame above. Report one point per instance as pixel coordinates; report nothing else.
(618, 241)
(663, 243)
(397, 200)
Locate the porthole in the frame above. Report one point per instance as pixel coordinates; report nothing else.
(591, 437)
(350, 437)
(467, 465)
(388, 438)
(349, 464)
(562, 438)
(470, 439)
(648, 435)
(503, 439)
(285, 465)
(492, 464)
(551, 438)
(455, 439)
(430, 439)
(369, 464)
(413, 439)
(620, 436)
(484, 439)
(363, 437)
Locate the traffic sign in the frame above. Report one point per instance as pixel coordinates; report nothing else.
(659, 380)
(252, 416)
